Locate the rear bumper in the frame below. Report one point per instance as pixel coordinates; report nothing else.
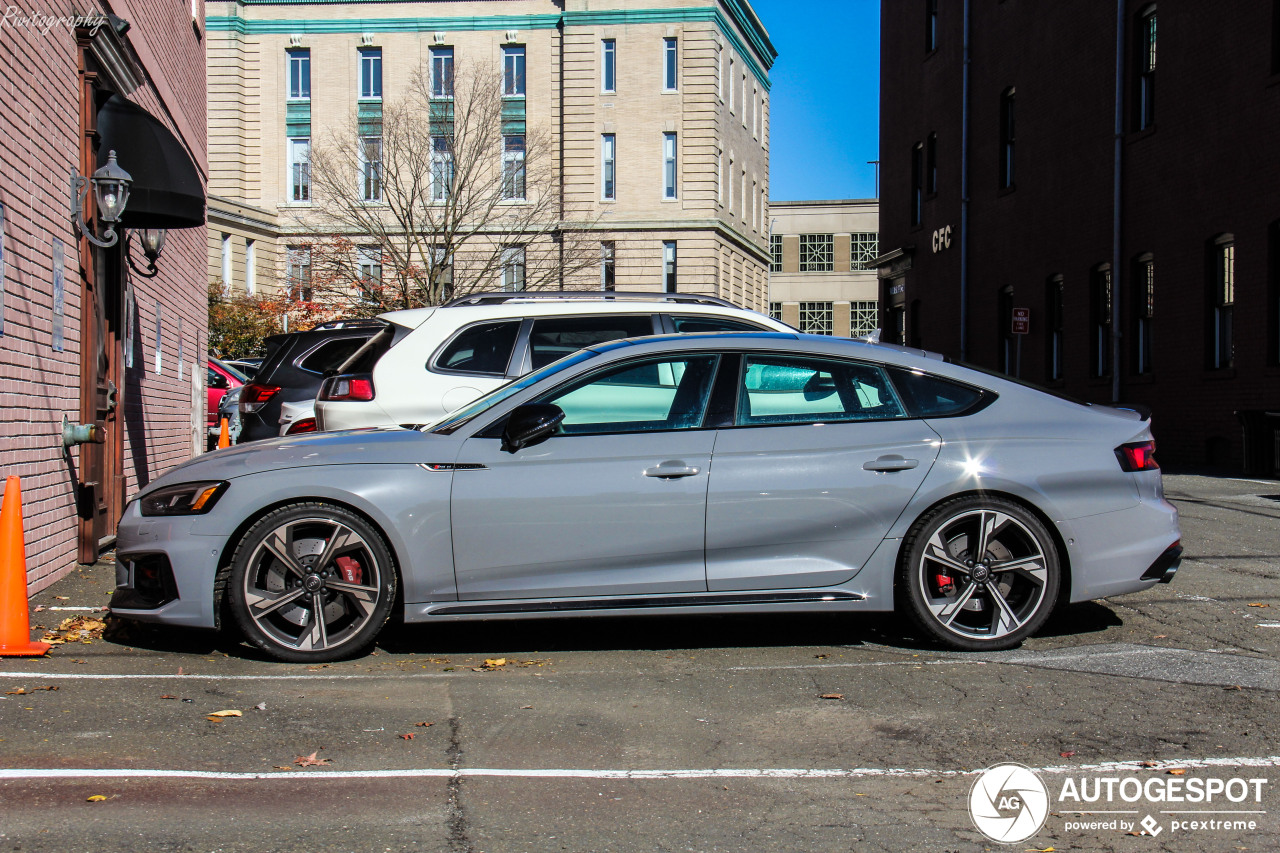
(1117, 552)
(1166, 565)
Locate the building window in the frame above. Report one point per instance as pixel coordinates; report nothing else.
(817, 253)
(250, 267)
(719, 178)
(917, 184)
(371, 168)
(1144, 304)
(442, 72)
(1100, 306)
(513, 71)
(369, 273)
(226, 264)
(299, 74)
(608, 167)
(775, 253)
(816, 318)
(513, 268)
(863, 249)
(1008, 135)
(669, 266)
(1055, 326)
(931, 164)
(371, 73)
(731, 78)
(300, 169)
(864, 318)
(669, 64)
(775, 311)
(441, 168)
(1224, 298)
(608, 278)
(513, 166)
(668, 165)
(609, 65)
(1145, 102)
(1004, 331)
(930, 25)
(298, 273)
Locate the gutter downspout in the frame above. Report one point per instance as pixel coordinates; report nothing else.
(964, 191)
(1115, 205)
(560, 141)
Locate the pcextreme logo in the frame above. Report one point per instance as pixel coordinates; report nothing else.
(1008, 803)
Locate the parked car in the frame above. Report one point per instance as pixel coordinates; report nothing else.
(293, 369)
(247, 366)
(222, 377)
(849, 476)
(229, 408)
(430, 361)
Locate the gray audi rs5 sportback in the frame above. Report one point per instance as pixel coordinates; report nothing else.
(705, 473)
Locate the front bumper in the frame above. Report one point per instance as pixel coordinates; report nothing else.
(165, 571)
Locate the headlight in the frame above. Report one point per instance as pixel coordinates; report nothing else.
(183, 499)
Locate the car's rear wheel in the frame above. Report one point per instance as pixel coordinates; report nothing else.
(311, 582)
(979, 573)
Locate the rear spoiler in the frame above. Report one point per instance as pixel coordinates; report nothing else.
(1143, 411)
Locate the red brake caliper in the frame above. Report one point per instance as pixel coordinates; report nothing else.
(350, 569)
(945, 585)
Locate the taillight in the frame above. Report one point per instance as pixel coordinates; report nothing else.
(1138, 456)
(358, 388)
(255, 396)
(304, 425)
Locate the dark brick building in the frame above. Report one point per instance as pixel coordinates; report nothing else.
(1136, 219)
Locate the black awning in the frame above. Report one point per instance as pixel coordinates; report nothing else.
(166, 191)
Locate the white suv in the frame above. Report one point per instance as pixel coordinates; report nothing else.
(428, 362)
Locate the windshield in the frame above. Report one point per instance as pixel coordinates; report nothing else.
(456, 419)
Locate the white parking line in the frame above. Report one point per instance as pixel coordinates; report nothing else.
(319, 676)
(722, 773)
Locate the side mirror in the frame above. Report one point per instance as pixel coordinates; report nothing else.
(217, 380)
(530, 424)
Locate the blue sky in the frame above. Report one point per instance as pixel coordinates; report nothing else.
(825, 97)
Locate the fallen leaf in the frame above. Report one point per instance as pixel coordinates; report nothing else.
(227, 714)
(1148, 764)
(311, 760)
(1067, 754)
(1177, 771)
(526, 707)
(1039, 850)
(167, 696)
(1259, 605)
(281, 767)
(62, 597)
(96, 798)
(831, 696)
(22, 691)
(406, 737)
(261, 706)
(1135, 832)
(424, 725)
(1160, 637)
(821, 657)
(37, 608)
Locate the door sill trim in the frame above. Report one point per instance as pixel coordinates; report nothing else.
(638, 602)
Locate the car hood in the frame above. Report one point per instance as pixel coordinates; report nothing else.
(369, 446)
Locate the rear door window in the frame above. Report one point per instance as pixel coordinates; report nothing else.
(798, 389)
(552, 338)
(690, 325)
(484, 348)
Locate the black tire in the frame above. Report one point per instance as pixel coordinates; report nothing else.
(978, 602)
(306, 559)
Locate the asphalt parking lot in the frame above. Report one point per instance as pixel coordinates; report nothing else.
(724, 734)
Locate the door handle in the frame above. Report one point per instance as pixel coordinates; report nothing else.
(671, 470)
(892, 462)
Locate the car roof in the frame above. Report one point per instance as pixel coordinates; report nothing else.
(557, 304)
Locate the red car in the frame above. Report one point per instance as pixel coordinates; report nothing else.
(222, 378)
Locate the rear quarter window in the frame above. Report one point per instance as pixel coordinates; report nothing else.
(483, 348)
(330, 355)
(928, 396)
(555, 337)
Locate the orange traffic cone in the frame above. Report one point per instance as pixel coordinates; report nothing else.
(15, 623)
(224, 436)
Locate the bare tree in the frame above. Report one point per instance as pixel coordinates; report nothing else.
(441, 196)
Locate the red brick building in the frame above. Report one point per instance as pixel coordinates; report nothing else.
(89, 333)
(1048, 157)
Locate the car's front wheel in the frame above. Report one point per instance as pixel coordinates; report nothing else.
(979, 573)
(311, 582)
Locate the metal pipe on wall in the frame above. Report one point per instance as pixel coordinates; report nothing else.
(964, 192)
(1115, 205)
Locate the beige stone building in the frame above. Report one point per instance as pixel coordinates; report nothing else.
(820, 275)
(657, 115)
